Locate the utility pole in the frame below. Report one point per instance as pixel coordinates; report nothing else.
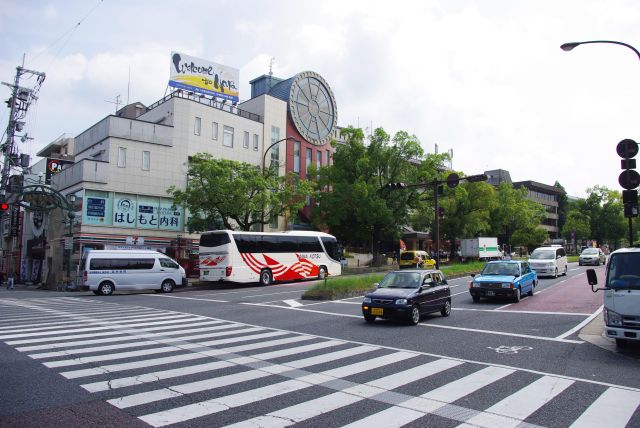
(19, 102)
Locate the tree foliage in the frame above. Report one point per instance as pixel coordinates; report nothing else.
(360, 208)
(577, 225)
(236, 195)
(517, 217)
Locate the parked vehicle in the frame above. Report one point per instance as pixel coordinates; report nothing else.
(507, 278)
(415, 259)
(106, 271)
(407, 295)
(549, 261)
(592, 256)
(480, 248)
(621, 295)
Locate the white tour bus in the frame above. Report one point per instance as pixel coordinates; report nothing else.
(106, 271)
(227, 255)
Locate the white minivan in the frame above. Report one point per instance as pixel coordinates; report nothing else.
(105, 271)
(549, 261)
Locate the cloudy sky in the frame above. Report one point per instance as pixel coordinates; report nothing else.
(485, 78)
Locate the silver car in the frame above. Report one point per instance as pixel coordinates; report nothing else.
(592, 256)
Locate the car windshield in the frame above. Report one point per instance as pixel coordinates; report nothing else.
(501, 269)
(400, 280)
(624, 271)
(543, 254)
(590, 251)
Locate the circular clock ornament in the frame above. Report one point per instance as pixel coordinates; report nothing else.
(312, 107)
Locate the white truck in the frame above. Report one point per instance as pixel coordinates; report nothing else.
(480, 248)
(621, 295)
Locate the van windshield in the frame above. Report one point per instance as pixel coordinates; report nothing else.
(624, 271)
(543, 254)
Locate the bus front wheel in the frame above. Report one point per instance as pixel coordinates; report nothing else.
(265, 277)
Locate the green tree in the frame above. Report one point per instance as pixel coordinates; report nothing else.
(605, 210)
(517, 218)
(563, 205)
(231, 194)
(359, 208)
(578, 225)
(467, 211)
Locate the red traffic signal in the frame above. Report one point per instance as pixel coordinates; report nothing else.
(4, 207)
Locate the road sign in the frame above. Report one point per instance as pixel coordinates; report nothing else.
(629, 179)
(627, 148)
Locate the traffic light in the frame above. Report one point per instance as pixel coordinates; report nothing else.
(629, 179)
(396, 186)
(4, 207)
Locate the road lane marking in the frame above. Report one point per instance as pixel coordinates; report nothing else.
(582, 324)
(612, 409)
(500, 333)
(293, 303)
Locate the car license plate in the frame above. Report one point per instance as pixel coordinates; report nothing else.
(376, 311)
(491, 293)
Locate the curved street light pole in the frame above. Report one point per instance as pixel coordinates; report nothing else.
(264, 164)
(569, 46)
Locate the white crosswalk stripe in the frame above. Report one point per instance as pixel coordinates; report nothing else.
(145, 361)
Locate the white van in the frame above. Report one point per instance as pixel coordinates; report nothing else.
(549, 261)
(621, 295)
(105, 271)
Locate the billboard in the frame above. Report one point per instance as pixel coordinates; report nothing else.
(204, 77)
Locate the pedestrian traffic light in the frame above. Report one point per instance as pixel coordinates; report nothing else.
(631, 209)
(4, 207)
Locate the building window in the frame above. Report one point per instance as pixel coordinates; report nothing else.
(228, 136)
(296, 157)
(328, 157)
(146, 160)
(255, 142)
(275, 150)
(319, 160)
(214, 130)
(197, 126)
(122, 157)
(245, 140)
(308, 160)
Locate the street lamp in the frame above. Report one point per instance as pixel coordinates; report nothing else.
(264, 156)
(264, 164)
(569, 46)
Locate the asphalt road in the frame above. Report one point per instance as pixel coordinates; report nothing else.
(255, 356)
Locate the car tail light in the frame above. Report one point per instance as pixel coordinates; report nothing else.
(228, 270)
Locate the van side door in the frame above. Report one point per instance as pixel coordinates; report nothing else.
(169, 269)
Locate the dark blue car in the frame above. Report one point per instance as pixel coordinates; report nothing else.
(505, 278)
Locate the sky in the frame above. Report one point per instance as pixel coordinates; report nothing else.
(484, 78)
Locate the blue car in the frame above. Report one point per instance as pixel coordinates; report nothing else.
(505, 278)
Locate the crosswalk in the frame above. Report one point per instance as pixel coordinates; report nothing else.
(166, 368)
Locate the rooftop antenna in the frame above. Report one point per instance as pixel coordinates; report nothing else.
(271, 61)
(128, 84)
(117, 102)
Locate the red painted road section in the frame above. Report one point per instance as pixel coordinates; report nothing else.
(571, 295)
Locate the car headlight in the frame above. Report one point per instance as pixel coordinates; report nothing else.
(476, 284)
(401, 302)
(366, 300)
(612, 318)
(506, 285)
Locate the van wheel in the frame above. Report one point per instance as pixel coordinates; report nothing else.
(265, 277)
(555, 274)
(322, 272)
(566, 268)
(106, 288)
(167, 286)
